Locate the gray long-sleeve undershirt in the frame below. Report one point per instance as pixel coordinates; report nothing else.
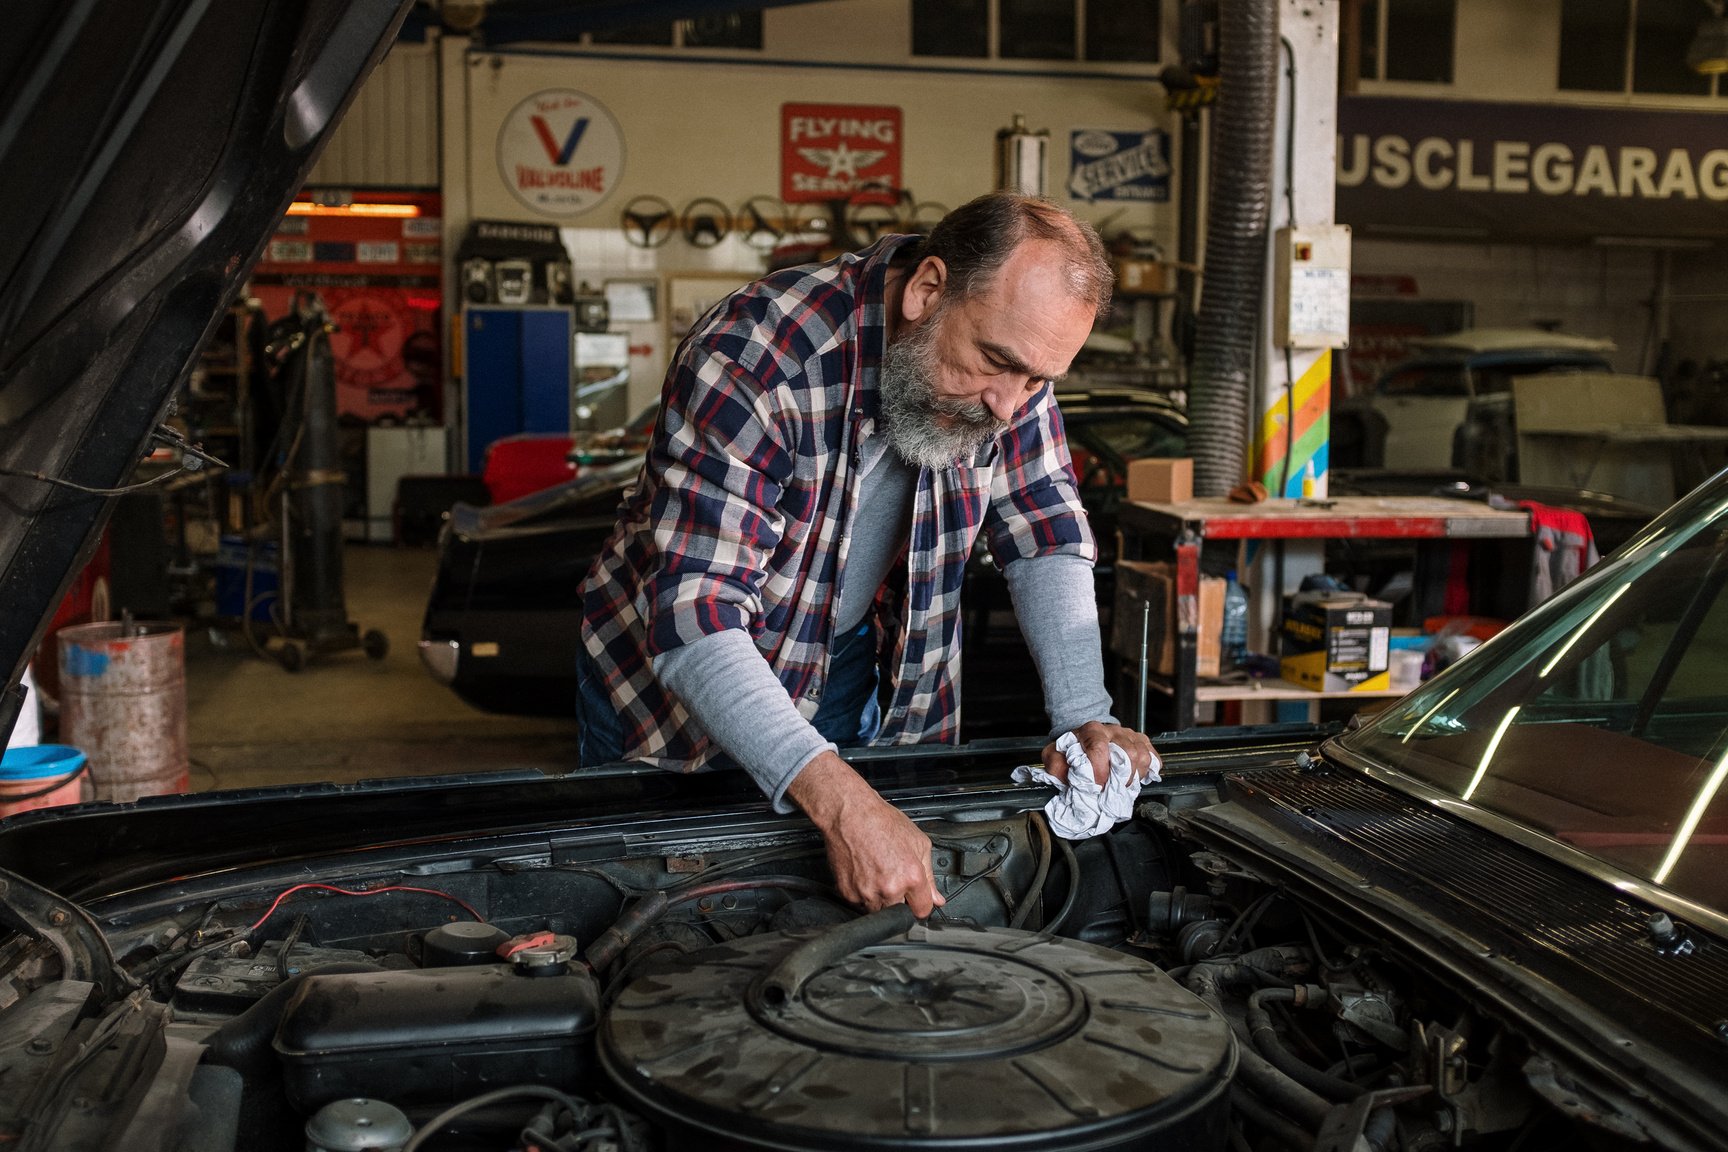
(730, 690)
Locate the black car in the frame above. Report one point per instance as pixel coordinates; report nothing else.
(502, 623)
(1494, 918)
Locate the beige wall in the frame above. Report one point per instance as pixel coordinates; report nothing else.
(389, 137)
(709, 125)
(713, 129)
(1588, 290)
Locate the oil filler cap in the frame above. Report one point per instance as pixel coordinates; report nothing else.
(940, 1037)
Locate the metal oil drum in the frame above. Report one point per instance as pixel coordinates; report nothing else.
(123, 704)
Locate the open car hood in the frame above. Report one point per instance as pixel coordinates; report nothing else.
(148, 148)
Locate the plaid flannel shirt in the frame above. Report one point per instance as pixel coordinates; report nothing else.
(740, 517)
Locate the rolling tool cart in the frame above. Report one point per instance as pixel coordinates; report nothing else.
(312, 617)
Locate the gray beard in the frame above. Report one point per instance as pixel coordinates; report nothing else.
(911, 408)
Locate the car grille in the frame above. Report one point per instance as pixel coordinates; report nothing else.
(1545, 917)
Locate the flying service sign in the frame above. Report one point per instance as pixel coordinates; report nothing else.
(834, 151)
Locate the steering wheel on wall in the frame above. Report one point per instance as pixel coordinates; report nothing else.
(705, 222)
(648, 221)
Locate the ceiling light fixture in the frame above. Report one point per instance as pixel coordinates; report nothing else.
(1708, 52)
(308, 208)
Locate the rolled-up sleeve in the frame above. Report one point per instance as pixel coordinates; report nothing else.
(1035, 505)
(722, 461)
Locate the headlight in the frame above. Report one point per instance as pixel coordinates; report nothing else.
(439, 657)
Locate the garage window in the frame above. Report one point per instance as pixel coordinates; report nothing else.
(719, 30)
(651, 35)
(1630, 46)
(950, 28)
(1072, 30)
(1408, 40)
(726, 30)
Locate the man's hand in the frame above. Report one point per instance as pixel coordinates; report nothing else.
(1096, 739)
(879, 857)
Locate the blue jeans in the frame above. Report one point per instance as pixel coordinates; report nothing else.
(848, 715)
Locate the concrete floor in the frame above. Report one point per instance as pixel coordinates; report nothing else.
(345, 717)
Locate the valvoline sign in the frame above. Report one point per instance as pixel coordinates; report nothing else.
(560, 152)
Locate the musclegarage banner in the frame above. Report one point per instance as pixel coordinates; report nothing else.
(1447, 168)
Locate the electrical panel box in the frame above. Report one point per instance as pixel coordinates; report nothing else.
(1311, 287)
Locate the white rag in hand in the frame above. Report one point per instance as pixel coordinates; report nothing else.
(1081, 808)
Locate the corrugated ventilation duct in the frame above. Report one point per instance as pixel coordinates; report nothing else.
(1238, 202)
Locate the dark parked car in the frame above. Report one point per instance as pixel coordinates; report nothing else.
(1450, 405)
(502, 622)
(1491, 919)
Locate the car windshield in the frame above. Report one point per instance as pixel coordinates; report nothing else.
(1102, 442)
(1601, 719)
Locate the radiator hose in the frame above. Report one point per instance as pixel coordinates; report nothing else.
(783, 984)
(1265, 1037)
(1238, 203)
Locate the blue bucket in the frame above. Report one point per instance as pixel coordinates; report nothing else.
(40, 776)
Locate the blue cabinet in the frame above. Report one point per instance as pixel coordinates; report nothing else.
(516, 372)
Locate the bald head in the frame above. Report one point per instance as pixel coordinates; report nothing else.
(975, 240)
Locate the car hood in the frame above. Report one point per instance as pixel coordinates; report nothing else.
(1479, 340)
(148, 149)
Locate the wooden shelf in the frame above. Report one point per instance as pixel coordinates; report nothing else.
(1361, 517)
(1268, 689)
(1284, 690)
(1180, 531)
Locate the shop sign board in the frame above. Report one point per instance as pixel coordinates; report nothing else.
(1107, 165)
(381, 289)
(839, 152)
(1533, 171)
(560, 152)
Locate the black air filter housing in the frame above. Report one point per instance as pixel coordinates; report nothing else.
(944, 1038)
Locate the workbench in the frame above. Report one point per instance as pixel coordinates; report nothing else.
(1178, 532)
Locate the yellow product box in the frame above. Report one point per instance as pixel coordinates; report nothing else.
(1337, 642)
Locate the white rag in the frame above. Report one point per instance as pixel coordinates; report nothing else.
(1081, 808)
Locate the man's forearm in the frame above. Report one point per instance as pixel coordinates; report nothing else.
(734, 695)
(1054, 603)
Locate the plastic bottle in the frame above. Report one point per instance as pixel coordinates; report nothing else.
(1234, 638)
(1308, 481)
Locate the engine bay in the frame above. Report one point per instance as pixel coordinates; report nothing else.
(1142, 989)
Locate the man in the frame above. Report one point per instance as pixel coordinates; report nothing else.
(832, 440)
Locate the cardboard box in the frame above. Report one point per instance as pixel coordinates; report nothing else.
(1141, 582)
(1210, 661)
(1336, 642)
(1137, 277)
(1160, 480)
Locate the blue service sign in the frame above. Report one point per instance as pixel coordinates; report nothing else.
(1106, 165)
